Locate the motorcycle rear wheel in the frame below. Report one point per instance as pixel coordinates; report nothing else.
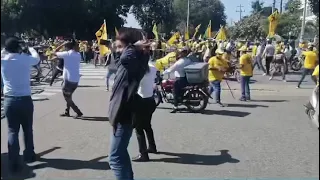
(296, 66)
(197, 95)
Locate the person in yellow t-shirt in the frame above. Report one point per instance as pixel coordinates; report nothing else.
(310, 62)
(246, 72)
(217, 67)
(315, 74)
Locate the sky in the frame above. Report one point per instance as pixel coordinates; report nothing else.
(231, 6)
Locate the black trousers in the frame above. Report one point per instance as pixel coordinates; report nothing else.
(142, 119)
(55, 74)
(178, 85)
(68, 89)
(269, 60)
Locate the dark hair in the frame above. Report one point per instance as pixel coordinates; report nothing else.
(129, 36)
(13, 44)
(71, 44)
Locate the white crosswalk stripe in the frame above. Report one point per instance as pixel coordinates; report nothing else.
(45, 92)
(88, 71)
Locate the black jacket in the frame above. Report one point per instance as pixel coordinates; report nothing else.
(126, 83)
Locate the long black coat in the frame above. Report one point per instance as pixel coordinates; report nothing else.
(129, 74)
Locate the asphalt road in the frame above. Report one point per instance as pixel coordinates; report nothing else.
(269, 137)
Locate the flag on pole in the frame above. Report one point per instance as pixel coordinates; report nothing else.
(102, 36)
(155, 32)
(116, 31)
(273, 23)
(208, 34)
(186, 34)
(197, 30)
(222, 34)
(174, 38)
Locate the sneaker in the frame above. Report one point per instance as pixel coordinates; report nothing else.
(298, 87)
(107, 89)
(284, 80)
(270, 78)
(220, 104)
(152, 150)
(78, 116)
(30, 159)
(65, 115)
(174, 110)
(264, 74)
(242, 99)
(141, 158)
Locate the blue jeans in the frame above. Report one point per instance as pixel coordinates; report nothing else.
(245, 87)
(306, 72)
(19, 111)
(108, 76)
(119, 159)
(215, 86)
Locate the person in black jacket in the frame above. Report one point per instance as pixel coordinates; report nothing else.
(122, 102)
(58, 70)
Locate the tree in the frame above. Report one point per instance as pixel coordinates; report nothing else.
(201, 12)
(248, 28)
(154, 12)
(314, 4)
(256, 6)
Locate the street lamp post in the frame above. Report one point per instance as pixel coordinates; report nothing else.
(303, 20)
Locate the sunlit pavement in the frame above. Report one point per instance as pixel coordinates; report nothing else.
(268, 137)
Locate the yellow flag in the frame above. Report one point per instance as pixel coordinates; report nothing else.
(208, 34)
(102, 35)
(222, 34)
(116, 31)
(186, 34)
(273, 23)
(197, 30)
(174, 38)
(155, 31)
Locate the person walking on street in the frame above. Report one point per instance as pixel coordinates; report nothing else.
(269, 53)
(122, 103)
(217, 68)
(258, 58)
(145, 109)
(58, 70)
(71, 75)
(18, 105)
(310, 62)
(246, 74)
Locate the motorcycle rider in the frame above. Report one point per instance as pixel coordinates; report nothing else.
(179, 73)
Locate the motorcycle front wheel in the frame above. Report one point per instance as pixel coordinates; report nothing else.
(296, 65)
(196, 101)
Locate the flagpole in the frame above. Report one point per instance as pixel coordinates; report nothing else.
(188, 14)
(105, 25)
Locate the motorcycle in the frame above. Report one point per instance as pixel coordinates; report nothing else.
(311, 107)
(195, 96)
(297, 61)
(233, 71)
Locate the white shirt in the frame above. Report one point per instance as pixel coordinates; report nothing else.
(270, 50)
(178, 67)
(145, 89)
(15, 72)
(71, 69)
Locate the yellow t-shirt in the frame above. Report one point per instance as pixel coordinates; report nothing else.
(316, 73)
(214, 62)
(246, 61)
(310, 61)
(254, 50)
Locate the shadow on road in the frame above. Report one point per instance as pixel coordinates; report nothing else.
(246, 105)
(70, 164)
(88, 118)
(196, 159)
(26, 173)
(226, 113)
(84, 86)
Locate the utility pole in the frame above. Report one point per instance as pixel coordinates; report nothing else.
(303, 20)
(281, 6)
(188, 14)
(273, 6)
(240, 10)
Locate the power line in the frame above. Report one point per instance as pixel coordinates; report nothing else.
(240, 11)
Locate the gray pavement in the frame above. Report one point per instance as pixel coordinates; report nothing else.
(269, 137)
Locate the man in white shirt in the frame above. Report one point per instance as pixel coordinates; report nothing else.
(18, 105)
(179, 73)
(71, 75)
(269, 53)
